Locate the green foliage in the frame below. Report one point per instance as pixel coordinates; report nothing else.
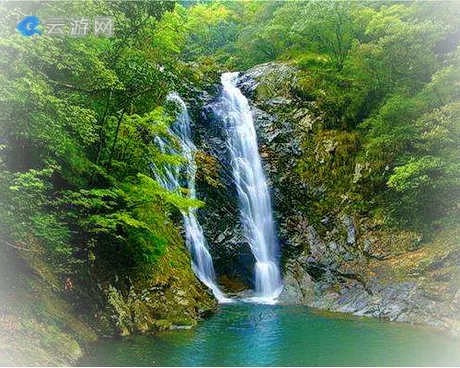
(416, 174)
(78, 122)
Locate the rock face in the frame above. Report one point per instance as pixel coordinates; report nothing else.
(344, 263)
(220, 218)
(339, 260)
(298, 284)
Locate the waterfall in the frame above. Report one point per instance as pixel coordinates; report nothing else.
(169, 178)
(253, 193)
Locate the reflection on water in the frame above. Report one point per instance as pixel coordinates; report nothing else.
(265, 335)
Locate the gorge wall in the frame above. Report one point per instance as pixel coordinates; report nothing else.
(334, 257)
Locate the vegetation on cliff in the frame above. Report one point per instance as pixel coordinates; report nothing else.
(78, 200)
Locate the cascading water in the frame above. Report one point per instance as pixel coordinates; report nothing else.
(169, 178)
(253, 192)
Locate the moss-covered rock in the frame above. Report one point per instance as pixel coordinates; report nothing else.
(42, 321)
(38, 326)
(169, 295)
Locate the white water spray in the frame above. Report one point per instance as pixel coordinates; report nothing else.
(253, 192)
(170, 179)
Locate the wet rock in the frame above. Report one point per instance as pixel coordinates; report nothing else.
(298, 285)
(180, 327)
(220, 217)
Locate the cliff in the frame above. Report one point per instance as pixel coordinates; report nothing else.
(335, 256)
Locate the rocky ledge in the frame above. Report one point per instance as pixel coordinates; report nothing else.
(389, 291)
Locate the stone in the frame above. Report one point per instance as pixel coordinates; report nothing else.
(298, 286)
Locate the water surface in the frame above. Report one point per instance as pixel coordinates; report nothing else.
(272, 335)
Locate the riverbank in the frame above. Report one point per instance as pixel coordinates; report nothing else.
(38, 327)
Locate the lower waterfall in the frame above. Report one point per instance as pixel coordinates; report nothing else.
(169, 178)
(253, 193)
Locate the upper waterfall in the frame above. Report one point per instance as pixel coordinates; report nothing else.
(253, 193)
(170, 178)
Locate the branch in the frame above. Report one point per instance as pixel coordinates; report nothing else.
(115, 138)
(73, 88)
(14, 246)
